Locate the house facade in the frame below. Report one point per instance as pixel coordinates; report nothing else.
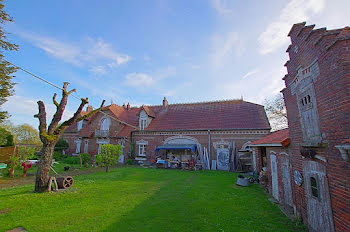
(220, 129)
(317, 99)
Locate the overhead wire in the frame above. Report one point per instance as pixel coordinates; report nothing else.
(57, 87)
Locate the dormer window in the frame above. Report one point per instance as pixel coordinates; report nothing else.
(143, 124)
(144, 120)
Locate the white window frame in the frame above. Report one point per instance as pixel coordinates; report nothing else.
(142, 146)
(86, 146)
(79, 125)
(77, 146)
(143, 123)
(104, 124)
(142, 149)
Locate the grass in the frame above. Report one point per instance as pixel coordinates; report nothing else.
(59, 167)
(138, 199)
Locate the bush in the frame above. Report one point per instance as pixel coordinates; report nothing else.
(85, 158)
(130, 162)
(72, 160)
(109, 155)
(58, 156)
(61, 145)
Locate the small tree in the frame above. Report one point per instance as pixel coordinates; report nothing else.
(276, 112)
(6, 138)
(109, 155)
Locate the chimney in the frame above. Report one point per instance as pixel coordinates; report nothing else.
(165, 102)
(128, 106)
(89, 109)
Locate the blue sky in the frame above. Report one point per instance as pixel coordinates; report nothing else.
(140, 51)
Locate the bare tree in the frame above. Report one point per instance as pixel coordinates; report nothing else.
(276, 112)
(51, 134)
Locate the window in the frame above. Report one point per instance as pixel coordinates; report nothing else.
(79, 125)
(104, 124)
(314, 187)
(86, 146)
(143, 124)
(142, 149)
(77, 148)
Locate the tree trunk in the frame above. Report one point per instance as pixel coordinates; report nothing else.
(107, 168)
(43, 172)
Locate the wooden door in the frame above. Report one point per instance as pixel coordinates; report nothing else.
(274, 176)
(287, 188)
(319, 211)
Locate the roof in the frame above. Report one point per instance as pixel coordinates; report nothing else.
(220, 115)
(278, 138)
(229, 114)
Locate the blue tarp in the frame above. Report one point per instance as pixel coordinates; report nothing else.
(191, 147)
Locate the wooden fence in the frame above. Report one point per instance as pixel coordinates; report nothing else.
(6, 153)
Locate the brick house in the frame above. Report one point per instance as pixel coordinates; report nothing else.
(317, 99)
(222, 128)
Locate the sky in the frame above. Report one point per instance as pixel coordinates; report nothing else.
(141, 51)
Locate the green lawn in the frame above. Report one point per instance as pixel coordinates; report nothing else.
(138, 199)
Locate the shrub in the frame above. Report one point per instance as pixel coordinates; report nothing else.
(58, 156)
(130, 162)
(109, 155)
(72, 160)
(85, 158)
(61, 145)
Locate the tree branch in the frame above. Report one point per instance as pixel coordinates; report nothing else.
(60, 108)
(42, 120)
(54, 100)
(59, 131)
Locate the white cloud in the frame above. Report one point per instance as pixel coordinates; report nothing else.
(102, 50)
(275, 35)
(98, 70)
(250, 73)
(225, 47)
(96, 54)
(222, 7)
(139, 80)
(64, 51)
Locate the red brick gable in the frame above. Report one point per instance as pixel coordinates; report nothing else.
(277, 137)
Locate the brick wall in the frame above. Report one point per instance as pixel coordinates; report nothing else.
(155, 139)
(332, 92)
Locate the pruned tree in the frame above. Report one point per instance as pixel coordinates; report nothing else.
(276, 112)
(49, 135)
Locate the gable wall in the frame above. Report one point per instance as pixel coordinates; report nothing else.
(332, 88)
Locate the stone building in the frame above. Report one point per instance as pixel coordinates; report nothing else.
(317, 99)
(220, 128)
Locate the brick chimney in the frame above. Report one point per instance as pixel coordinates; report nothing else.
(165, 102)
(89, 109)
(128, 106)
